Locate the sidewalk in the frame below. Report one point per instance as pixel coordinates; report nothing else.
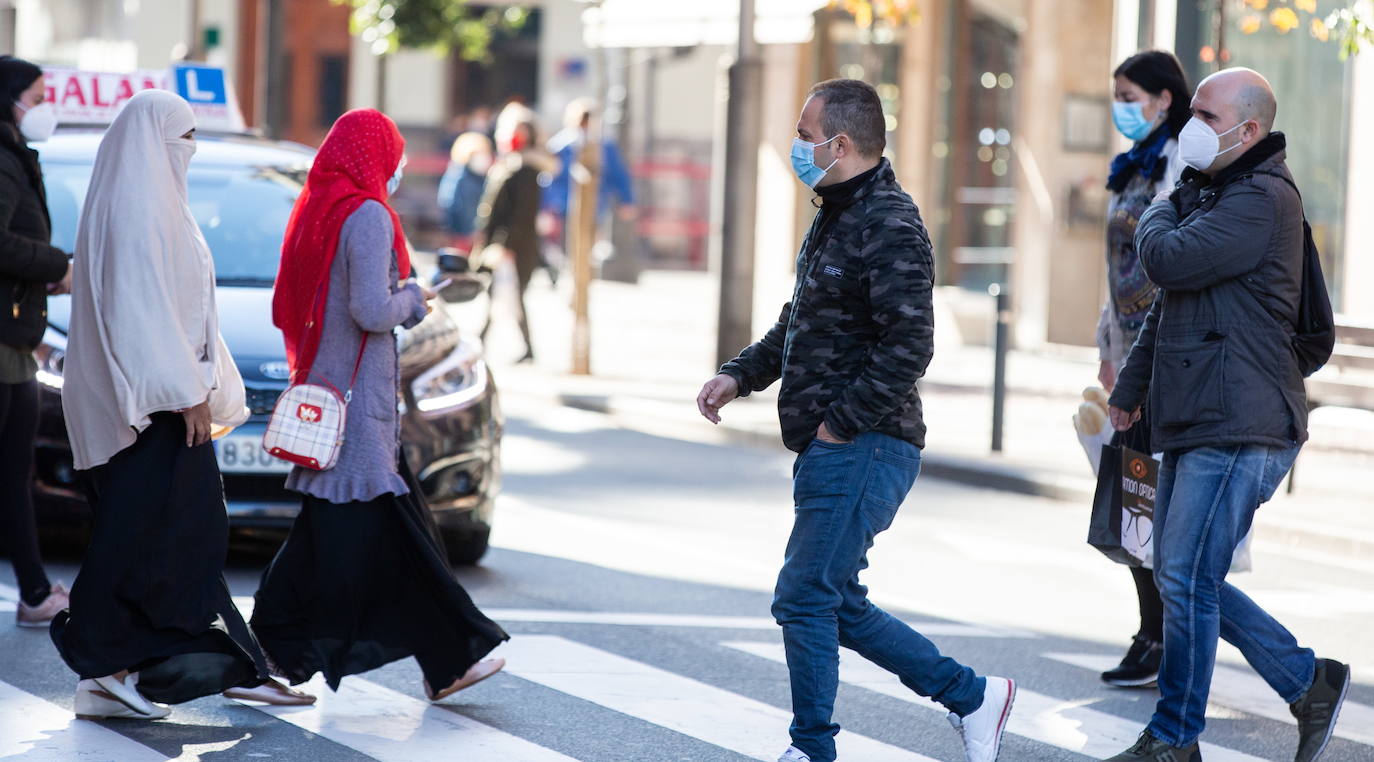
(653, 347)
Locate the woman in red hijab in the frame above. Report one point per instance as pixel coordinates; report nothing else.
(361, 581)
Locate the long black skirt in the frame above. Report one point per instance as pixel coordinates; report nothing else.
(362, 584)
(151, 596)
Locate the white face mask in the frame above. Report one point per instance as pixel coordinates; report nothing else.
(181, 150)
(1200, 145)
(38, 122)
(393, 183)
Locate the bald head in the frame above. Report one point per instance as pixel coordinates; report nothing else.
(1238, 104)
(1248, 94)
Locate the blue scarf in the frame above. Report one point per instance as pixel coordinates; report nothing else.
(1144, 157)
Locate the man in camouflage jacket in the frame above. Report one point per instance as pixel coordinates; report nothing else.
(849, 347)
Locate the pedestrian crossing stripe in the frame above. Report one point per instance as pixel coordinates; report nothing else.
(1246, 691)
(390, 726)
(687, 706)
(948, 629)
(1064, 724)
(37, 730)
(694, 621)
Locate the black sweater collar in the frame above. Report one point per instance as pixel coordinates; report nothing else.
(841, 193)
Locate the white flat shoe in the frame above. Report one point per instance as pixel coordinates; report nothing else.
(125, 692)
(95, 703)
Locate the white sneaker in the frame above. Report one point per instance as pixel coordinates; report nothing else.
(982, 730)
(793, 754)
(93, 702)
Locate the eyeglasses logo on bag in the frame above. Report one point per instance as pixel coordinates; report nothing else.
(309, 413)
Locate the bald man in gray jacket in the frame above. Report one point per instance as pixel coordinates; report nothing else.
(1216, 361)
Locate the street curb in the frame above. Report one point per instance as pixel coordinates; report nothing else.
(963, 470)
(978, 472)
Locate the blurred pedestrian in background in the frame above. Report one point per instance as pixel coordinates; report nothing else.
(1150, 106)
(30, 269)
(478, 120)
(1217, 361)
(461, 187)
(849, 348)
(616, 186)
(507, 218)
(148, 380)
(362, 579)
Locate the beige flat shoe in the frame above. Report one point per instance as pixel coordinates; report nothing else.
(475, 674)
(273, 693)
(42, 614)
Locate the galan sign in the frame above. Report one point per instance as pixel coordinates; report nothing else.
(94, 97)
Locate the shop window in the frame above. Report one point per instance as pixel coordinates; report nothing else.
(974, 246)
(333, 88)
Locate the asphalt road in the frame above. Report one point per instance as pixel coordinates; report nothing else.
(633, 569)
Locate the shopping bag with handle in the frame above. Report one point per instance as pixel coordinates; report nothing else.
(1122, 522)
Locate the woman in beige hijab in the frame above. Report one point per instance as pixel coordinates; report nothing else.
(147, 379)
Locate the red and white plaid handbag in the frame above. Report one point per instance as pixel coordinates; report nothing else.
(307, 425)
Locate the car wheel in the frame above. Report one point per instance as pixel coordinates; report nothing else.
(466, 546)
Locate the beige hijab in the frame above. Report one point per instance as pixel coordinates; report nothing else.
(144, 335)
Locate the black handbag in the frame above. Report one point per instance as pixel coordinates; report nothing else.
(1122, 521)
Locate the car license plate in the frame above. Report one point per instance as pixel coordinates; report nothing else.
(243, 454)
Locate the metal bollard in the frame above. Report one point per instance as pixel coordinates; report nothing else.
(999, 368)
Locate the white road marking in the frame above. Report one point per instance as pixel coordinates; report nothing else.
(1239, 689)
(37, 730)
(8, 593)
(393, 727)
(634, 619)
(1057, 722)
(715, 716)
(951, 629)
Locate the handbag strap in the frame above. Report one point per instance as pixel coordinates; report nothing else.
(357, 363)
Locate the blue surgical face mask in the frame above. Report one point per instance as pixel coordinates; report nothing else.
(393, 183)
(1130, 120)
(804, 161)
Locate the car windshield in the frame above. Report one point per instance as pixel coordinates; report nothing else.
(241, 210)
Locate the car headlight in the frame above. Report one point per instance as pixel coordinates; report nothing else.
(454, 383)
(50, 355)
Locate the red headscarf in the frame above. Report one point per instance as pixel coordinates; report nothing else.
(358, 157)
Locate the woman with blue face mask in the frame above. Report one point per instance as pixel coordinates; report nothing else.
(1150, 106)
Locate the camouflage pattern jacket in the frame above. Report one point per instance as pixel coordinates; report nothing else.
(858, 331)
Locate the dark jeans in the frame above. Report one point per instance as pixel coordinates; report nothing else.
(1206, 502)
(844, 496)
(18, 427)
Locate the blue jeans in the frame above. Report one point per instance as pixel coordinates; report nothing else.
(1206, 502)
(844, 496)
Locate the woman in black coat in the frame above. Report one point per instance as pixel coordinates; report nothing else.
(30, 269)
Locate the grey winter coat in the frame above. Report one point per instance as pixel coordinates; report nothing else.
(1215, 355)
(363, 297)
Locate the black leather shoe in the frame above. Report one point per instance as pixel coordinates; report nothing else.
(1140, 668)
(1151, 749)
(1318, 709)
